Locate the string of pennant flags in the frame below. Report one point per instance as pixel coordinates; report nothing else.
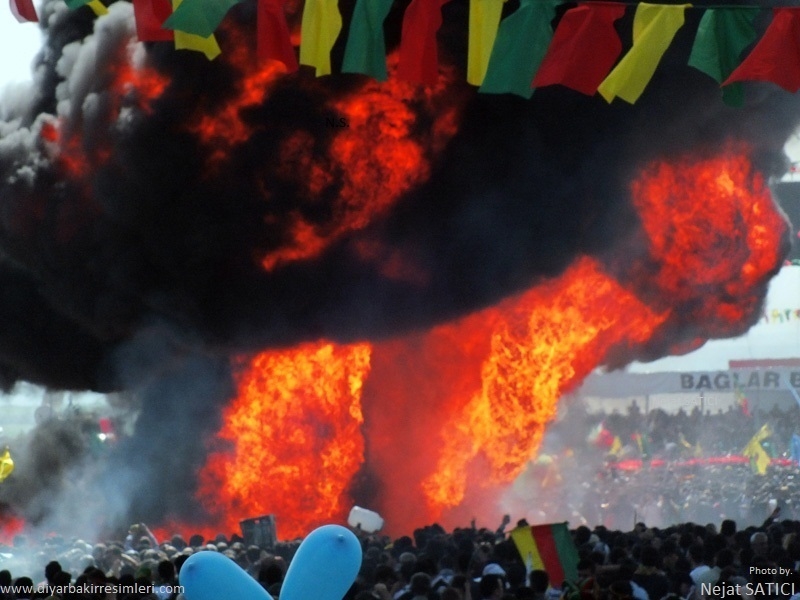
(513, 55)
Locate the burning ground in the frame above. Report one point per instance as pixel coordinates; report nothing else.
(385, 313)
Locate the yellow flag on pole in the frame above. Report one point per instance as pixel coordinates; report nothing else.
(319, 29)
(6, 465)
(759, 459)
(654, 27)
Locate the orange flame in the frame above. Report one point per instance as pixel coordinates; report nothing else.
(296, 426)
(377, 155)
(546, 342)
(453, 415)
(715, 235)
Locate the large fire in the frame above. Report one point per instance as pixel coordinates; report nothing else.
(453, 415)
(296, 432)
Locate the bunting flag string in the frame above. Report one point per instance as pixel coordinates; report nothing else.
(516, 54)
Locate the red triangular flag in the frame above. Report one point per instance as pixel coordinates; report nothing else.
(149, 15)
(419, 57)
(274, 39)
(24, 11)
(776, 57)
(584, 48)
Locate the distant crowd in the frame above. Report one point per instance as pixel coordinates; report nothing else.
(660, 467)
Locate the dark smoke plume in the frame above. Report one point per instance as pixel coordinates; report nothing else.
(127, 263)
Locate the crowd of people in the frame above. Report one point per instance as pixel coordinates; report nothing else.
(623, 503)
(663, 467)
(682, 562)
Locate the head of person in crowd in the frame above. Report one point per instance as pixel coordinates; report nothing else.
(24, 587)
(165, 572)
(728, 529)
(420, 586)
(50, 570)
(620, 589)
(539, 582)
(491, 587)
(270, 573)
(759, 543)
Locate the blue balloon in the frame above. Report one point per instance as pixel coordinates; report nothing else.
(210, 575)
(324, 567)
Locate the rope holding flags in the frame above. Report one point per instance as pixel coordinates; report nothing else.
(516, 53)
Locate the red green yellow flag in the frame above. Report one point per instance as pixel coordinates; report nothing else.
(365, 51)
(776, 57)
(519, 48)
(548, 548)
(321, 25)
(418, 59)
(585, 47)
(654, 27)
(722, 36)
(484, 20)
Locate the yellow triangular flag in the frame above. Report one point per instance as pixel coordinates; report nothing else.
(616, 446)
(191, 41)
(484, 21)
(654, 27)
(98, 7)
(6, 465)
(319, 29)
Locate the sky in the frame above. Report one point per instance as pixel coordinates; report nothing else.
(19, 43)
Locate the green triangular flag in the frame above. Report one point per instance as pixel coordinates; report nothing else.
(200, 17)
(365, 51)
(722, 36)
(520, 46)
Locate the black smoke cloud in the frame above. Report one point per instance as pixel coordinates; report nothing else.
(145, 272)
